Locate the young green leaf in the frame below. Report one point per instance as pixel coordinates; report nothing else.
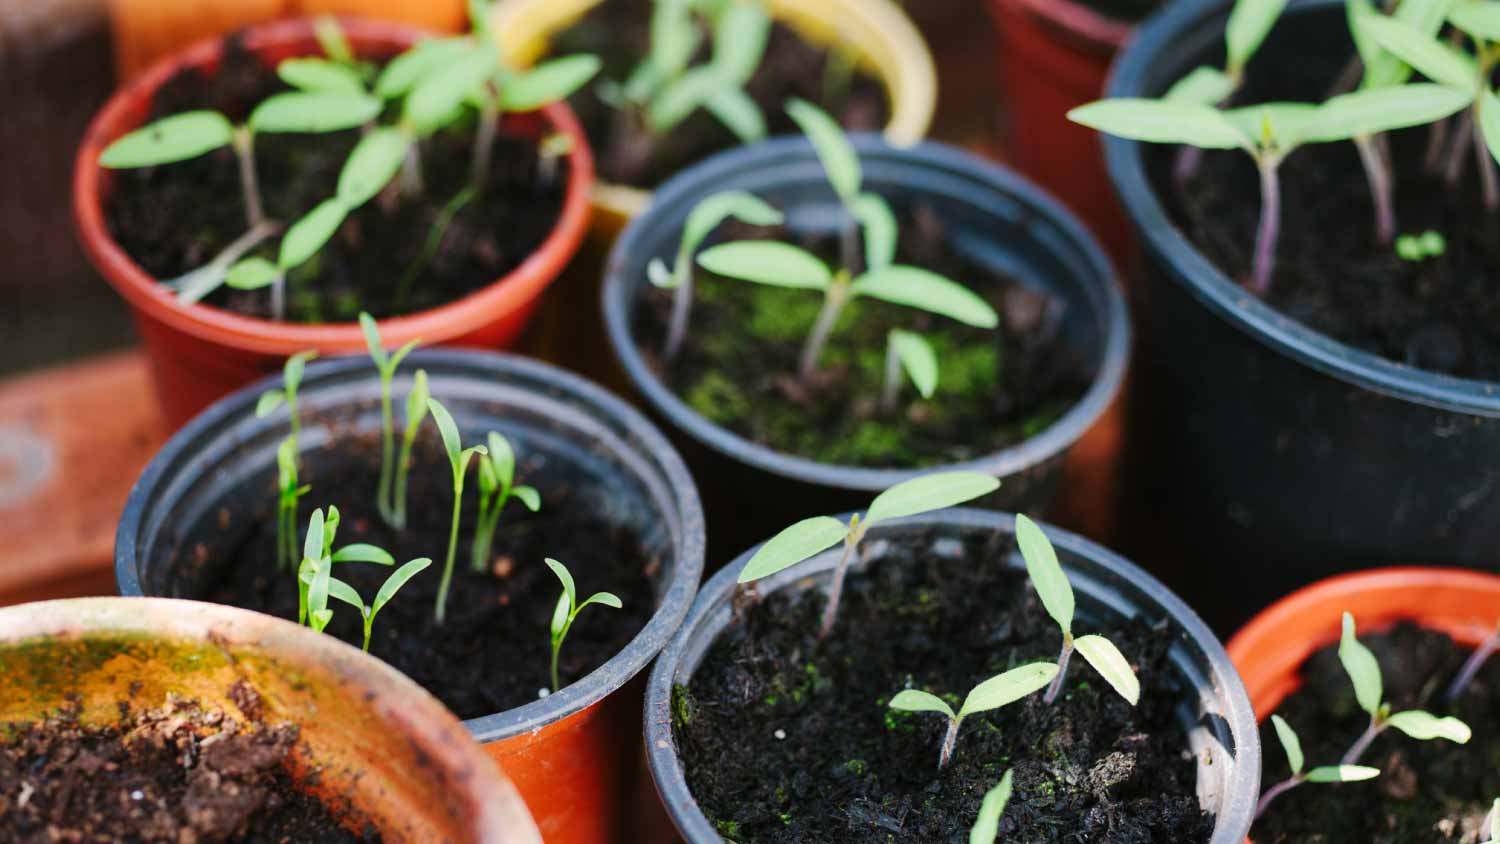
(917, 358)
(607, 599)
(1290, 743)
(702, 220)
(397, 580)
(502, 458)
(560, 618)
(312, 546)
(1342, 773)
(171, 139)
(268, 403)
(529, 496)
(251, 274)
(1156, 121)
(1432, 58)
(447, 430)
(437, 98)
(927, 493)
(767, 262)
(341, 591)
(404, 72)
(569, 590)
(1008, 688)
(1281, 127)
(371, 166)
(840, 162)
(1373, 111)
(799, 542)
(1046, 573)
(683, 96)
(1424, 726)
(1480, 19)
(1205, 86)
(331, 39)
(915, 700)
(548, 82)
(1249, 24)
(987, 825)
(674, 37)
(1111, 665)
(918, 288)
(309, 235)
(879, 222)
(315, 74)
(1363, 670)
(314, 112)
(740, 37)
(737, 111)
(360, 552)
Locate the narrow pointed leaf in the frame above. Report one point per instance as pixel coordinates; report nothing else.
(1008, 687)
(1363, 670)
(437, 99)
(398, 579)
(406, 70)
(740, 38)
(1284, 125)
(361, 552)
(560, 614)
(987, 825)
(416, 401)
(840, 162)
(503, 458)
(529, 496)
(312, 546)
(1342, 773)
(1424, 726)
(449, 431)
(371, 330)
(251, 274)
(171, 139)
(339, 590)
(567, 580)
(608, 599)
(802, 540)
(1432, 58)
(916, 700)
(1290, 743)
(371, 166)
(674, 36)
(309, 234)
(683, 96)
(1249, 24)
(401, 353)
(269, 401)
(1479, 18)
(1161, 122)
(548, 82)
(915, 287)
(917, 358)
(926, 493)
(879, 224)
(737, 111)
(1046, 573)
(767, 262)
(708, 214)
(1205, 86)
(315, 74)
(1112, 665)
(314, 112)
(1372, 111)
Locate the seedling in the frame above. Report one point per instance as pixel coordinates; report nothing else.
(289, 492)
(386, 364)
(567, 611)
(701, 222)
(497, 473)
(846, 176)
(291, 379)
(1417, 248)
(1056, 593)
(987, 825)
(367, 612)
(1364, 673)
(315, 572)
(810, 537)
(1324, 774)
(910, 352)
(416, 411)
(992, 694)
(665, 90)
(458, 459)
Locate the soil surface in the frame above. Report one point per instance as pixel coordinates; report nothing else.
(174, 218)
(1130, 11)
(788, 740)
(619, 33)
(1333, 274)
(996, 387)
(175, 774)
(493, 651)
(1428, 791)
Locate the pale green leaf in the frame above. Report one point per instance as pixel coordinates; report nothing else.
(917, 358)
(840, 162)
(737, 111)
(674, 37)
(1161, 122)
(398, 579)
(987, 825)
(371, 330)
(1432, 58)
(1046, 574)
(416, 402)
(176, 138)
(659, 276)
(1283, 126)
(1112, 665)
(332, 40)
(437, 99)
(503, 458)
(926, 493)
(1249, 24)
(915, 700)
(1342, 773)
(406, 70)
(608, 599)
(529, 496)
(1204, 86)
(740, 37)
(767, 262)
(713, 210)
(560, 615)
(567, 580)
(452, 443)
(1424, 726)
(342, 591)
(371, 166)
(915, 287)
(400, 354)
(1479, 18)
(683, 96)
(312, 546)
(1290, 743)
(314, 112)
(321, 618)
(879, 222)
(1377, 110)
(802, 540)
(315, 74)
(269, 401)
(548, 82)
(311, 233)
(1008, 687)
(1363, 670)
(252, 274)
(361, 552)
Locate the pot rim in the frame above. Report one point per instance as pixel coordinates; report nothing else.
(1163, 34)
(1052, 441)
(493, 800)
(578, 695)
(661, 744)
(1090, 27)
(449, 320)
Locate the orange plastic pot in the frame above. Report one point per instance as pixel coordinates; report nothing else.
(200, 353)
(1054, 55)
(366, 733)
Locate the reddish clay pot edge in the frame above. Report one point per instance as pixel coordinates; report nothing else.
(1077, 24)
(510, 294)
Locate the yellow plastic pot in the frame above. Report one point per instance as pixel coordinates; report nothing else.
(886, 41)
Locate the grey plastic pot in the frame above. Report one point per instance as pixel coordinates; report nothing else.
(997, 219)
(1222, 731)
(575, 755)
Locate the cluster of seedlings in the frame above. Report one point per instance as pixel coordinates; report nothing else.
(1394, 41)
(316, 583)
(437, 84)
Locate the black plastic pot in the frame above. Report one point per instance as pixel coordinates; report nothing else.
(998, 220)
(1222, 732)
(574, 755)
(1274, 454)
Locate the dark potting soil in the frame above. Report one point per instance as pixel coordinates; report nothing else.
(786, 740)
(618, 31)
(173, 774)
(177, 217)
(493, 651)
(1130, 11)
(1428, 791)
(996, 387)
(1332, 273)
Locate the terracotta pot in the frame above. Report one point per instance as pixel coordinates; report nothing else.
(200, 353)
(1054, 55)
(1216, 713)
(367, 734)
(575, 755)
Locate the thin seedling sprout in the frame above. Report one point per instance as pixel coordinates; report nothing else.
(367, 612)
(909, 352)
(1471, 666)
(497, 475)
(810, 537)
(1322, 774)
(289, 492)
(438, 82)
(1056, 594)
(993, 693)
(702, 220)
(987, 826)
(1364, 673)
(783, 265)
(291, 380)
(416, 411)
(387, 365)
(568, 609)
(458, 460)
(315, 572)
(1421, 247)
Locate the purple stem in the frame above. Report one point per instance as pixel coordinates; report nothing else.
(836, 589)
(1356, 750)
(950, 739)
(1274, 792)
(1062, 671)
(1379, 176)
(1270, 227)
(1476, 661)
(682, 300)
(1456, 149)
